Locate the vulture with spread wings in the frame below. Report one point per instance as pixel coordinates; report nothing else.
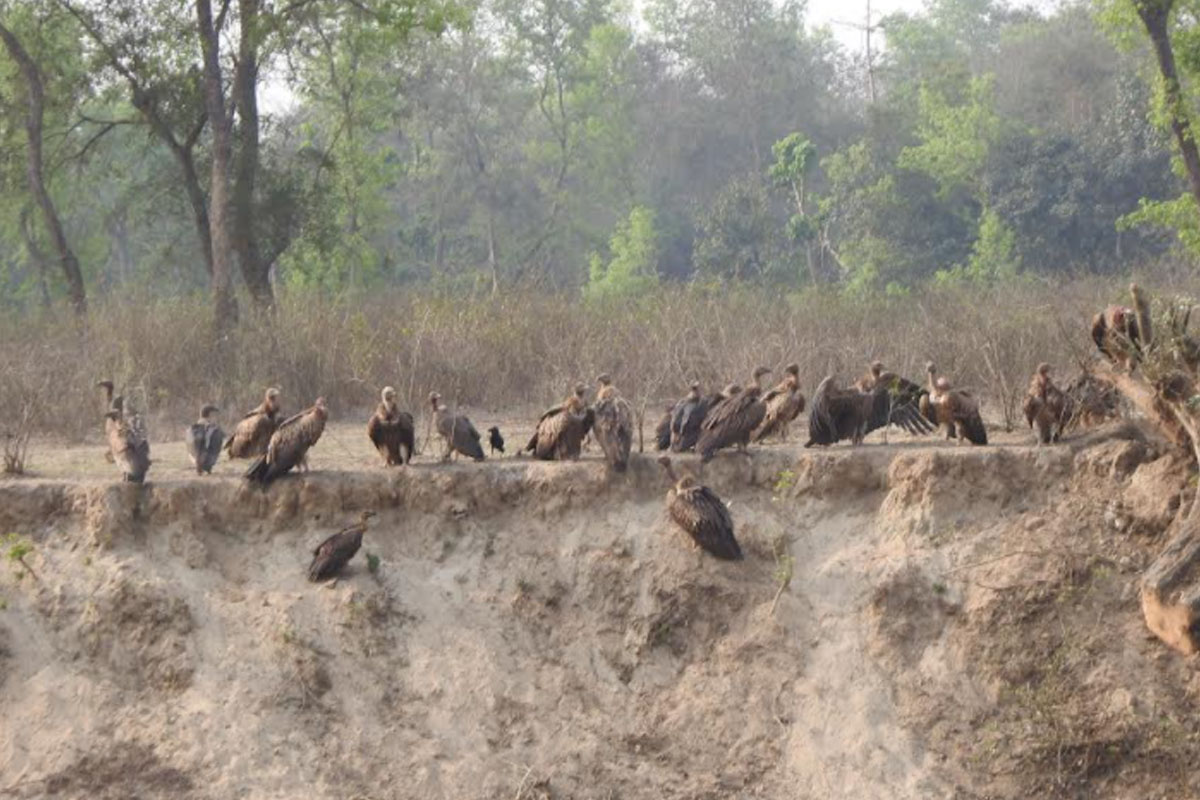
(876, 401)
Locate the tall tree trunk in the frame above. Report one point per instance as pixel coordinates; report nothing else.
(37, 179)
(1156, 16)
(218, 197)
(255, 269)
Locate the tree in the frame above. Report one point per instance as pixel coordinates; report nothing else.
(632, 268)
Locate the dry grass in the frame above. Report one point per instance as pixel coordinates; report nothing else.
(524, 349)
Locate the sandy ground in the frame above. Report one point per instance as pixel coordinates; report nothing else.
(915, 620)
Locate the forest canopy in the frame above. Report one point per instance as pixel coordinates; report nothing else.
(240, 148)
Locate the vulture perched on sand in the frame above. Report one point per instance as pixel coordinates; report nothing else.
(857, 410)
(253, 433)
(613, 425)
(784, 403)
(289, 444)
(560, 430)
(204, 440)
(955, 409)
(391, 430)
(700, 513)
(1047, 406)
(457, 431)
(732, 421)
(128, 446)
(332, 554)
(495, 440)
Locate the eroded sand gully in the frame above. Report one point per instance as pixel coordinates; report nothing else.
(540, 630)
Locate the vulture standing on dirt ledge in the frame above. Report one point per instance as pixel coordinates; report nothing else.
(391, 430)
(332, 554)
(852, 413)
(1047, 406)
(699, 511)
(458, 432)
(253, 433)
(784, 403)
(204, 440)
(613, 425)
(733, 419)
(289, 444)
(690, 413)
(956, 409)
(560, 430)
(127, 443)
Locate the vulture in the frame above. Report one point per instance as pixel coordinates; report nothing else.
(784, 403)
(731, 421)
(457, 430)
(204, 440)
(495, 440)
(391, 430)
(700, 513)
(690, 413)
(253, 433)
(613, 425)
(560, 430)
(662, 431)
(1116, 334)
(1047, 406)
(128, 446)
(853, 412)
(956, 409)
(332, 554)
(289, 444)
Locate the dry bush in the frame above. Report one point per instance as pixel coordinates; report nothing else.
(524, 349)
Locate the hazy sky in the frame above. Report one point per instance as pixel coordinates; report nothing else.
(821, 12)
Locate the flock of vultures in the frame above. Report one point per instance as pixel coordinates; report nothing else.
(733, 417)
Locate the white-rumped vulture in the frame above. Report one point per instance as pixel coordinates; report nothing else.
(784, 403)
(955, 409)
(732, 421)
(335, 552)
(253, 432)
(204, 440)
(701, 514)
(289, 444)
(613, 426)
(391, 430)
(456, 430)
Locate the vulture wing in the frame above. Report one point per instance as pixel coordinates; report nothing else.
(730, 423)
(706, 519)
(251, 435)
(393, 435)
(288, 446)
(559, 435)
(332, 554)
(465, 439)
(687, 421)
(662, 431)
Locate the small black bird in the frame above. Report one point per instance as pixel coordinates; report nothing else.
(495, 439)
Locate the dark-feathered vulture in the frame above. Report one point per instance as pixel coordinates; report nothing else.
(391, 430)
(457, 431)
(128, 446)
(851, 413)
(253, 433)
(1116, 334)
(1046, 406)
(701, 514)
(495, 440)
(731, 421)
(690, 413)
(613, 424)
(662, 431)
(204, 440)
(289, 444)
(784, 403)
(955, 409)
(335, 552)
(560, 430)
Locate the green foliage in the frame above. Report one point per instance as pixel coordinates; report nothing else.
(795, 156)
(17, 548)
(954, 138)
(1178, 216)
(631, 269)
(993, 257)
(373, 563)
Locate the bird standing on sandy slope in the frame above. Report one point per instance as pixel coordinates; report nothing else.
(289, 444)
(391, 430)
(253, 432)
(560, 430)
(956, 409)
(204, 440)
(784, 403)
(332, 554)
(1046, 405)
(733, 420)
(701, 514)
(457, 431)
(613, 424)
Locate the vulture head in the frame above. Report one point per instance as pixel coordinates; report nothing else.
(604, 379)
(434, 400)
(208, 410)
(365, 515)
(1043, 369)
(942, 384)
(388, 395)
(107, 386)
(731, 390)
(694, 387)
(118, 404)
(876, 368)
(793, 369)
(580, 390)
(665, 461)
(761, 371)
(319, 407)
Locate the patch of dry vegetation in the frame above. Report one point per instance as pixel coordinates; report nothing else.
(524, 348)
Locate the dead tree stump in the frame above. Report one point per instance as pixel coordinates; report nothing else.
(1171, 591)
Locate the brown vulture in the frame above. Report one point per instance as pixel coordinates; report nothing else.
(784, 403)
(560, 430)
(253, 433)
(332, 554)
(955, 409)
(852, 413)
(731, 421)
(701, 514)
(204, 440)
(457, 431)
(391, 430)
(1116, 334)
(662, 431)
(128, 446)
(613, 425)
(1047, 406)
(289, 444)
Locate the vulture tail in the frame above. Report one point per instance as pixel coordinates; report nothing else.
(259, 471)
(974, 430)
